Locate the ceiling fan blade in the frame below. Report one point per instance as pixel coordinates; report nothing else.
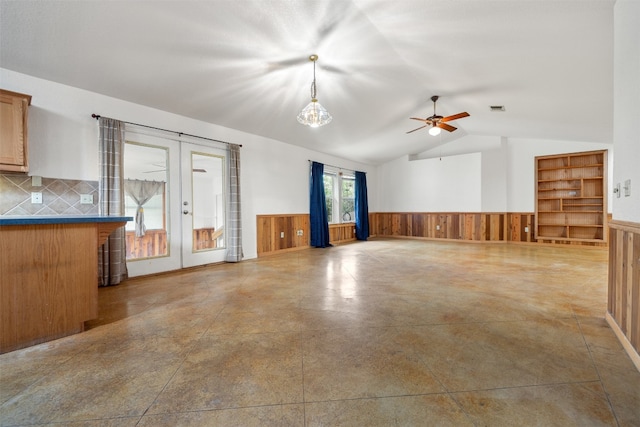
(446, 127)
(454, 117)
(417, 118)
(417, 128)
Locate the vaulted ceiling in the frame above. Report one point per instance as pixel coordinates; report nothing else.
(244, 64)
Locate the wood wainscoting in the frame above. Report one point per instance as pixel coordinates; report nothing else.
(278, 233)
(472, 226)
(287, 232)
(623, 306)
(342, 233)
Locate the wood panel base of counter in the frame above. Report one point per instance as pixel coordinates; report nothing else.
(48, 281)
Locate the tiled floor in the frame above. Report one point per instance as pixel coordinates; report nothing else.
(380, 333)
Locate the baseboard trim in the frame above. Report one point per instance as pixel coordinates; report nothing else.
(635, 357)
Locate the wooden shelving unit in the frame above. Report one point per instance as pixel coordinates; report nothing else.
(571, 197)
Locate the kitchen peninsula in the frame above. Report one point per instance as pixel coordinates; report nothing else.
(49, 276)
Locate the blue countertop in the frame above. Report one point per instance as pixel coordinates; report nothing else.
(36, 220)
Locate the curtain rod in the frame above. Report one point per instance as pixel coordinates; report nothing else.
(97, 116)
(336, 167)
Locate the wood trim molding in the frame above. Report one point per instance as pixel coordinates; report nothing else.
(633, 354)
(623, 293)
(633, 227)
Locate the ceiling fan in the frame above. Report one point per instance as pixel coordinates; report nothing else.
(438, 122)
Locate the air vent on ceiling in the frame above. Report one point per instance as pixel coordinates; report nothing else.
(496, 107)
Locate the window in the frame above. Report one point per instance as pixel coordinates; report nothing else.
(154, 212)
(339, 191)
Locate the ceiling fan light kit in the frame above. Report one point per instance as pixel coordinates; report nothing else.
(438, 122)
(314, 114)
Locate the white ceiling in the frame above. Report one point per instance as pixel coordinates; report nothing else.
(244, 64)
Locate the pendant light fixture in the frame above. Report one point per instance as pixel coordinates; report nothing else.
(314, 114)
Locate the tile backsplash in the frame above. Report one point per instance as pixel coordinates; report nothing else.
(59, 196)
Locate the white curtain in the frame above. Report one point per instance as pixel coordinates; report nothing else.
(234, 223)
(112, 266)
(141, 192)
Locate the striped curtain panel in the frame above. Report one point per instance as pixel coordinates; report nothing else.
(234, 222)
(112, 267)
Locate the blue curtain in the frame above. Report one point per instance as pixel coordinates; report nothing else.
(362, 207)
(319, 221)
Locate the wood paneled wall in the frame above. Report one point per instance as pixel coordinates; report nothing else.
(472, 226)
(341, 233)
(623, 307)
(278, 233)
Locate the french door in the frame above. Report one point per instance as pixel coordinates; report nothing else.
(176, 192)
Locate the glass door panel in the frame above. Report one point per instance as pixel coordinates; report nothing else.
(203, 194)
(149, 190)
(145, 199)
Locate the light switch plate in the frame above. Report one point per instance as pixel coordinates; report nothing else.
(627, 188)
(86, 199)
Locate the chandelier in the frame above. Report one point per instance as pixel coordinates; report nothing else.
(314, 114)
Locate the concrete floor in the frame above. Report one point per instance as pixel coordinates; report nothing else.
(377, 333)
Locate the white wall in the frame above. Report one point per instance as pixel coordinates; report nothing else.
(494, 178)
(521, 167)
(503, 179)
(63, 144)
(449, 184)
(626, 114)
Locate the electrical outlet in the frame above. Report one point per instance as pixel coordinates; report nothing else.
(437, 227)
(299, 232)
(86, 199)
(36, 198)
(282, 234)
(526, 229)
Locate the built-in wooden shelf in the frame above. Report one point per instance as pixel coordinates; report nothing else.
(571, 197)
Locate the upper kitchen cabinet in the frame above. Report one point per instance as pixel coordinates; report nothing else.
(14, 109)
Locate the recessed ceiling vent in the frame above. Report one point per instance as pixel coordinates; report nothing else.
(496, 107)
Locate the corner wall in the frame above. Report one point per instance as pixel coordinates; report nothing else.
(623, 310)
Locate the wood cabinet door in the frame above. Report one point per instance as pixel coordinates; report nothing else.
(13, 132)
